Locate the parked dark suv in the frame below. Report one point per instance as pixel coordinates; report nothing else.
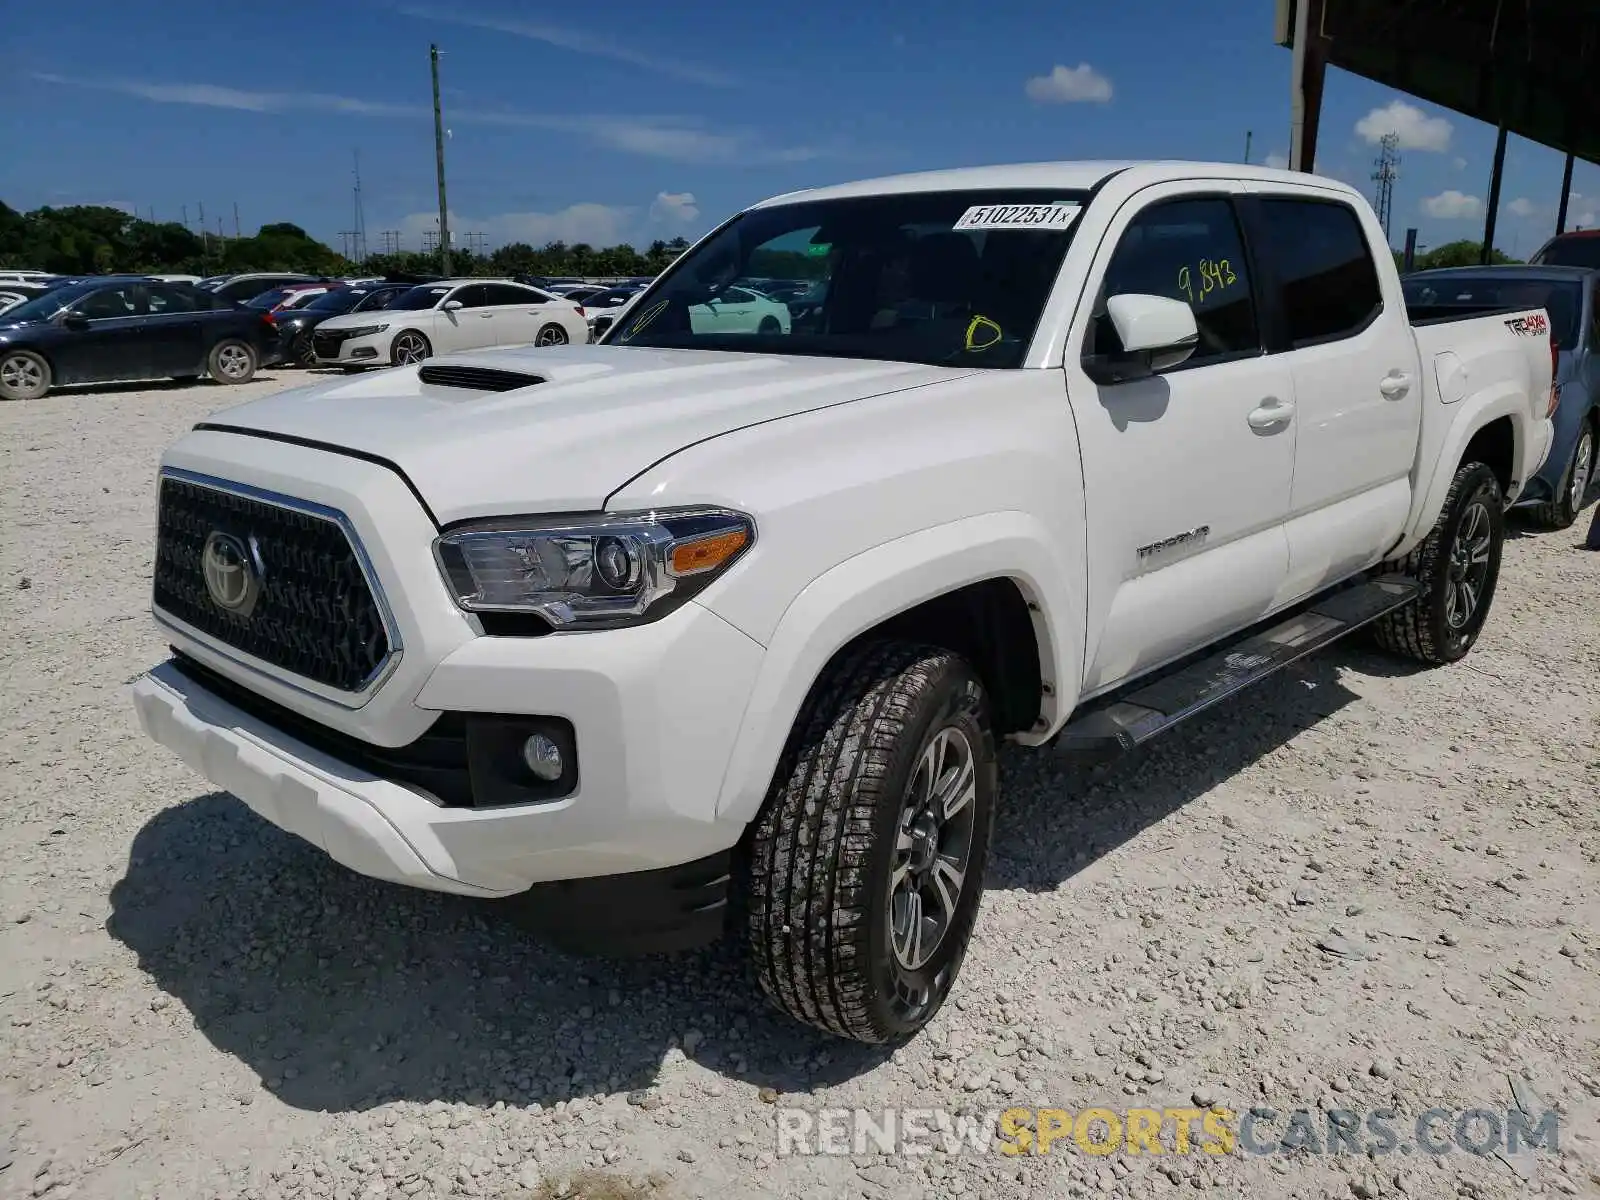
(121, 327)
(1580, 248)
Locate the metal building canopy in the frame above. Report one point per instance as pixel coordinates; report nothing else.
(1531, 66)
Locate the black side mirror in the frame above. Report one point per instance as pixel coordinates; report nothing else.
(75, 321)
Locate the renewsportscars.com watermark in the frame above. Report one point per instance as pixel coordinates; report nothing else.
(1100, 1132)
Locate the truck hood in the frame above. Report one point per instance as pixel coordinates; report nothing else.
(589, 418)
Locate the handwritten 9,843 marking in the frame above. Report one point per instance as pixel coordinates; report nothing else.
(1215, 276)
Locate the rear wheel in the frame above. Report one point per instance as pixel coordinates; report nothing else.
(24, 375)
(1457, 566)
(232, 361)
(769, 327)
(1563, 510)
(865, 867)
(551, 335)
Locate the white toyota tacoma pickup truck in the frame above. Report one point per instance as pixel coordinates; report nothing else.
(710, 629)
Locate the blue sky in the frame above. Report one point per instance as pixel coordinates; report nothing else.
(630, 121)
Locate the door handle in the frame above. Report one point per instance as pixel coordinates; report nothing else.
(1394, 385)
(1272, 412)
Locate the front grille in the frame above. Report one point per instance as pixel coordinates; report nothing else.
(327, 343)
(314, 616)
(436, 762)
(479, 379)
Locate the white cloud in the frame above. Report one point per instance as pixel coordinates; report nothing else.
(1459, 163)
(579, 43)
(1070, 85)
(672, 138)
(676, 208)
(1522, 207)
(596, 224)
(1452, 205)
(1276, 161)
(1416, 130)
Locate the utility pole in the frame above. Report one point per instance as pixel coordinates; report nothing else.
(236, 232)
(360, 254)
(186, 216)
(1247, 147)
(1388, 164)
(438, 154)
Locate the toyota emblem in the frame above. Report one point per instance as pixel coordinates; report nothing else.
(233, 580)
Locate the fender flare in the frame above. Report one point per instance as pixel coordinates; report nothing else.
(1475, 414)
(877, 584)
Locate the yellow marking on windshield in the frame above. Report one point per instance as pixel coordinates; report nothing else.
(982, 325)
(644, 318)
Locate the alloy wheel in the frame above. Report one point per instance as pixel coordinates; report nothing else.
(233, 361)
(21, 374)
(1582, 465)
(933, 848)
(409, 348)
(1469, 566)
(551, 335)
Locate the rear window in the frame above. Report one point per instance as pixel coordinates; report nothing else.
(1330, 283)
(1573, 251)
(1561, 298)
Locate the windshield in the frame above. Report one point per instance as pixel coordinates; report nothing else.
(268, 299)
(420, 297)
(1561, 298)
(43, 308)
(1571, 252)
(611, 298)
(951, 278)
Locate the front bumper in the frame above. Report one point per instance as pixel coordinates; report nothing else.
(655, 710)
(369, 350)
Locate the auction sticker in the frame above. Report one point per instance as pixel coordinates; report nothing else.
(1019, 216)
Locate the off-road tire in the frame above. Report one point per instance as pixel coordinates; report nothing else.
(816, 874)
(1421, 629)
(1563, 510)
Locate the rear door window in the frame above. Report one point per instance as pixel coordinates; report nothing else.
(1325, 266)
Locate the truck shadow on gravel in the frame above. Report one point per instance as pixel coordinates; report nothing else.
(343, 993)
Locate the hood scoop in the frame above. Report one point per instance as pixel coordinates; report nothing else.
(477, 379)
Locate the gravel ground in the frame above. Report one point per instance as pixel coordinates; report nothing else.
(1365, 886)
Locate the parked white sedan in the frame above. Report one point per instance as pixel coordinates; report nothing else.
(450, 315)
(739, 310)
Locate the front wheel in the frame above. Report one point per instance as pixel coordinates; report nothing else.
(232, 361)
(409, 347)
(1457, 566)
(1563, 510)
(865, 867)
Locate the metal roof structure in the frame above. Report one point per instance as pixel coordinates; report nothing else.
(1528, 67)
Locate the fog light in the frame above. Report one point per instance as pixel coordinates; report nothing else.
(543, 757)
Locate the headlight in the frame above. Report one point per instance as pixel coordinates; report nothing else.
(597, 572)
(362, 330)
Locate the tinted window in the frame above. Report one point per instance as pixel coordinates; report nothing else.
(269, 299)
(421, 297)
(338, 301)
(474, 295)
(107, 302)
(501, 293)
(1562, 299)
(174, 298)
(958, 278)
(1330, 283)
(1573, 251)
(1189, 250)
(610, 299)
(379, 299)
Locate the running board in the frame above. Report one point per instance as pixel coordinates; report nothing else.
(1115, 726)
